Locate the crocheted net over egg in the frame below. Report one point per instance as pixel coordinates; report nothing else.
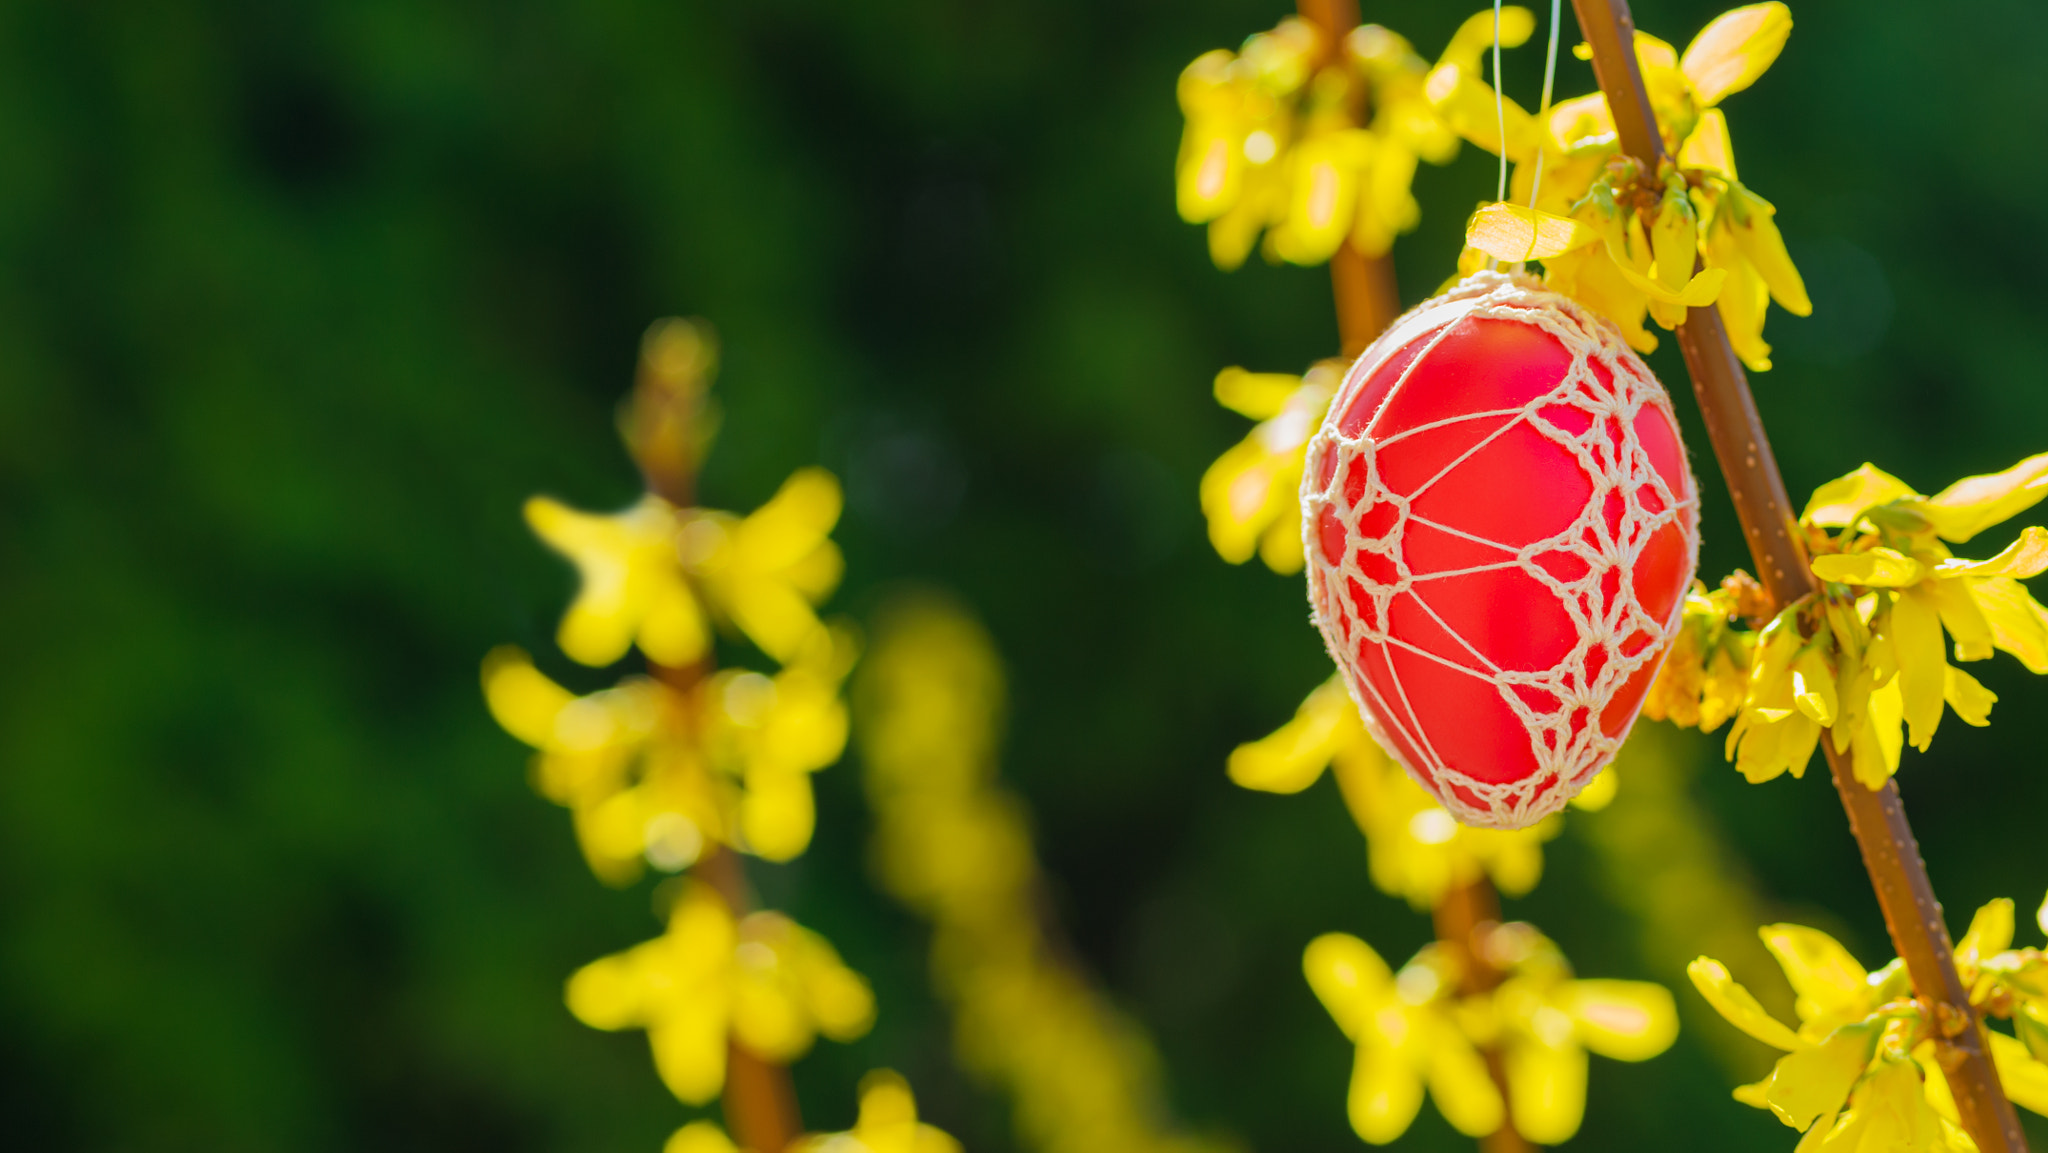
(1500, 525)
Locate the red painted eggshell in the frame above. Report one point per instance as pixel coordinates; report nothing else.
(1500, 525)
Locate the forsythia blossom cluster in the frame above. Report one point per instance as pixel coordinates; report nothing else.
(1624, 240)
(1275, 144)
(1864, 1069)
(1416, 849)
(1705, 677)
(661, 766)
(679, 766)
(762, 980)
(1424, 1026)
(1865, 658)
(953, 845)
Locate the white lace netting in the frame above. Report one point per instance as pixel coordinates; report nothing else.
(1568, 752)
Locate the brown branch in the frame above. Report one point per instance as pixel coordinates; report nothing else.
(1464, 917)
(1876, 817)
(663, 424)
(1367, 298)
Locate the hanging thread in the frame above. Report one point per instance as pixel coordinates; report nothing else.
(1543, 116)
(1500, 112)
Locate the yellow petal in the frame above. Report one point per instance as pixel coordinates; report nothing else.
(1816, 1080)
(1813, 686)
(1745, 299)
(1990, 932)
(1581, 118)
(1475, 35)
(1292, 757)
(2041, 915)
(1823, 974)
(521, 698)
(1470, 106)
(1755, 228)
(1709, 147)
(1975, 503)
(1515, 232)
(1254, 394)
(699, 1137)
(1876, 568)
(2024, 1078)
(1674, 239)
(1625, 1020)
(1385, 1094)
(1348, 978)
(1736, 1004)
(1971, 700)
(1736, 48)
(1840, 501)
(2025, 557)
(1877, 745)
(1210, 170)
(1460, 1085)
(1963, 618)
(1697, 292)
(1892, 1104)
(768, 1021)
(1915, 632)
(689, 1051)
(792, 522)
(608, 993)
(1546, 1090)
(1598, 793)
(2019, 623)
(842, 1001)
(777, 814)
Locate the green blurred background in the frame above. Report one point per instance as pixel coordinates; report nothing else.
(299, 300)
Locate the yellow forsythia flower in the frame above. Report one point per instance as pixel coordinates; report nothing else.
(1414, 1029)
(765, 983)
(1416, 849)
(619, 760)
(648, 572)
(633, 587)
(1272, 143)
(767, 570)
(773, 732)
(887, 1123)
(1862, 1070)
(1251, 495)
(1705, 677)
(1866, 658)
(1625, 241)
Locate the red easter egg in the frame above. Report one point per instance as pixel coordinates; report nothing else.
(1500, 525)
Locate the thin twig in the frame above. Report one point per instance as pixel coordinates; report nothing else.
(1876, 817)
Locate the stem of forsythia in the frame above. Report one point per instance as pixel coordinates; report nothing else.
(1463, 918)
(1876, 817)
(1368, 300)
(760, 1102)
